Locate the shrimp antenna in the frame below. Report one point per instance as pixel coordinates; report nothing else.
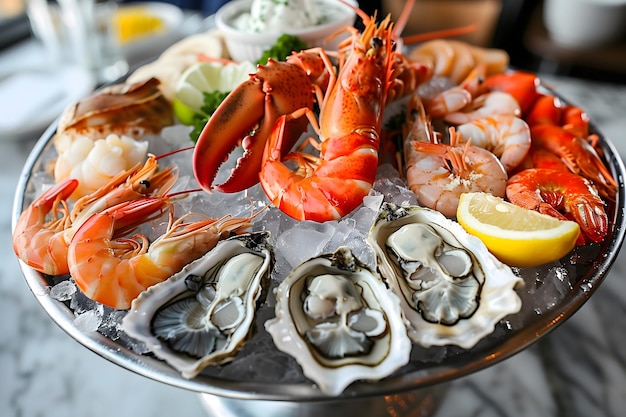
(404, 18)
(436, 34)
(174, 152)
(364, 16)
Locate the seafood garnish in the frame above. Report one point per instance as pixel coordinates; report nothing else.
(339, 321)
(451, 289)
(202, 315)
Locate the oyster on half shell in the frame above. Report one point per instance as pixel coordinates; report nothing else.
(339, 321)
(202, 315)
(452, 289)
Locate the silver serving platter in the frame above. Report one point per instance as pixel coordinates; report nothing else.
(593, 265)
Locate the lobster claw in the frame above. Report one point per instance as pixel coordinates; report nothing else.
(246, 117)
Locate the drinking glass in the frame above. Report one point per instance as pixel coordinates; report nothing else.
(79, 32)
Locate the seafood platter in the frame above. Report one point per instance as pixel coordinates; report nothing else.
(317, 238)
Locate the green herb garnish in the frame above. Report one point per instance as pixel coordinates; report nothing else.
(212, 101)
(283, 48)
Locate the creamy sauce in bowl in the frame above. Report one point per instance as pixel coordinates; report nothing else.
(272, 16)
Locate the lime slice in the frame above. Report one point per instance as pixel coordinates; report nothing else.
(207, 77)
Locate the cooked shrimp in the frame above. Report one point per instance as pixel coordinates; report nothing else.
(578, 154)
(417, 127)
(455, 98)
(446, 171)
(546, 109)
(575, 120)
(520, 84)
(39, 242)
(43, 244)
(507, 137)
(486, 105)
(563, 195)
(456, 59)
(94, 163)
(538, 157)
(115, 270)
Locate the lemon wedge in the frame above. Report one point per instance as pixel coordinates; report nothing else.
(515, 235)
(207, 77)
(136, 22)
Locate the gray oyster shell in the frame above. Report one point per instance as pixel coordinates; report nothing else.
(452, 289)
(202, 315)
(339, 321)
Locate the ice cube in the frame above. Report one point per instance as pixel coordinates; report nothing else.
(80, 303)
(88, 322)
(303, 241)
(111, 323)
(63, 291)
(394, 190)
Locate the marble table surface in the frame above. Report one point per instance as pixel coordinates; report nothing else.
(578, 370)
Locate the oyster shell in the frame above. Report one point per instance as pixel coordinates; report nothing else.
(339, 321)
(202, 315)
(452, 289)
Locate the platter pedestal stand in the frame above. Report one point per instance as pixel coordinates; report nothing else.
(418, 403)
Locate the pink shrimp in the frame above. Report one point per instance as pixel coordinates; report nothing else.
(39, 242)
(486, 105)
(456, 59)
(508, 137)
(44, 230)
(443, 172)
(457, 97)
(115, 270)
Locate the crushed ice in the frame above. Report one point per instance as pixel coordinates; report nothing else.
(294, 242)
(63, 291)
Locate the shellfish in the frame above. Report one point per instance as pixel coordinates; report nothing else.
(451, 288)
(339, 321)
(202, 315)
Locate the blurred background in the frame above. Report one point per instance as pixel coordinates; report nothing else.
(579, 38)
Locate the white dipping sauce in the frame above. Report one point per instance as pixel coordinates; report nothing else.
(281, 15)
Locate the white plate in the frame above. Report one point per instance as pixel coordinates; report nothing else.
(32, 99)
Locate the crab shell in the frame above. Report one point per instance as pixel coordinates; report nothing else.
(451, 288)
(202, 315)
(339, 321)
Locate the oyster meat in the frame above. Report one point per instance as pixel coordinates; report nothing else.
(202, 315)
(339, 321)
(451, 288)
